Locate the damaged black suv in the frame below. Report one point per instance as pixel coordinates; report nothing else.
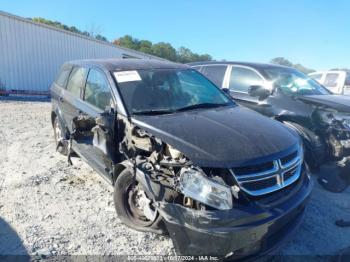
(184, 158)
(321, 118)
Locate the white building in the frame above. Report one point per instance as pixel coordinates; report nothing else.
(31, 53)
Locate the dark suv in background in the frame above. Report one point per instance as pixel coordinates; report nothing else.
(183, 157)
(287, 95)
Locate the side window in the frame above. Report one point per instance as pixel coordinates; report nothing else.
(242, 78)
(97, 90)
(214, 73)
(316, 77)
(331, 80)
(62, 76)
(76, 81)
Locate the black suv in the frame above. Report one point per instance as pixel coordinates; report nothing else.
(183, 157)
(287, 95)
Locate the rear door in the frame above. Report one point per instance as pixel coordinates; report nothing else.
(57, 88)
(96, 142)
(70, 100)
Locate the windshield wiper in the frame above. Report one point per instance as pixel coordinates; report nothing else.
(203, 105)
(153, 112)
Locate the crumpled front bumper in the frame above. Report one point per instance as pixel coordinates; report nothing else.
(244, 231)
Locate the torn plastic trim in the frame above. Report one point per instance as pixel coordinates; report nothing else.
(242, 215)
(244, 229)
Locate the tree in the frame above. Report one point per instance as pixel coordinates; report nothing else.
(145, 46)
(93, 31)
(185, 55)
(281, 61)
(285, 62)
(161, 49)
(164, 50)
(126, 41)
(101, 38)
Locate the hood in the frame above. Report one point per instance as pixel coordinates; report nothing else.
(223, 137)
(337, 102)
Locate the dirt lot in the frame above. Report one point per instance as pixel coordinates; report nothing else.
(50, 208)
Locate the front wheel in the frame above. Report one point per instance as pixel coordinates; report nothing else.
(61, 145)
(133, 206)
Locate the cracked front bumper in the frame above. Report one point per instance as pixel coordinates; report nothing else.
(242, 232)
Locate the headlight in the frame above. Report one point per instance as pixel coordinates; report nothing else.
(196, 185)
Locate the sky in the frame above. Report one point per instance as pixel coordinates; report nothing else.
(313, 33)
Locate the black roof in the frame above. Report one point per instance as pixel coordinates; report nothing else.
(129, 64)
(256, 66)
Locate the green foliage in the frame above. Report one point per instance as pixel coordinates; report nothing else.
(72, 29)
(285, 62)
(161, 49)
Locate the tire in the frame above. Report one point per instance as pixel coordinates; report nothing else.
(313, 159)
(125, 192)
(60, 142)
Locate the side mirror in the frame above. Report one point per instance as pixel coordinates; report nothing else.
(258, 91)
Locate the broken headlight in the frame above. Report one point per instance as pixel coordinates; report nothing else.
(194, 184)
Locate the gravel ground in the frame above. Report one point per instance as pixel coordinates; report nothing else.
(49, 208)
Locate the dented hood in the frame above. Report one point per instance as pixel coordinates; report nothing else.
(222, 137)
(337, 102)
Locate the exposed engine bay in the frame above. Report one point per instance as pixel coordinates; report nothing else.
(168, 175)
(335, 127)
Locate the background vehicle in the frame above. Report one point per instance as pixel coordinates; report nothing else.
(285, 94)
(338, 82)
(182, 155)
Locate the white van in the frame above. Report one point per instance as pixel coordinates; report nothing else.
(337, 82)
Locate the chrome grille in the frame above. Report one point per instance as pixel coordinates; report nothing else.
(271, 176)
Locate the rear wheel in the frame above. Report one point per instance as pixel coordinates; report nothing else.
(60, 141)
(133, 206)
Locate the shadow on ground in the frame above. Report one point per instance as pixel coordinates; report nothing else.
(11, 246)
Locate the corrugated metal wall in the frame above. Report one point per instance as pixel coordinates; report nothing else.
(31, 53)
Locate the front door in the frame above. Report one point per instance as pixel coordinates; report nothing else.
(96, 123)
(241, 79)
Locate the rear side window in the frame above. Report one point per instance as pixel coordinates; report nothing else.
(331, 80)
(97, 90)
(243, 78)
(214, 73)
(62, 76)
(76, 81)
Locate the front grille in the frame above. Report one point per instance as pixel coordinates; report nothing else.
(270, 176)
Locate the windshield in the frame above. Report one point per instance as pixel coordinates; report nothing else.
(294, 82)
(160, 91)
